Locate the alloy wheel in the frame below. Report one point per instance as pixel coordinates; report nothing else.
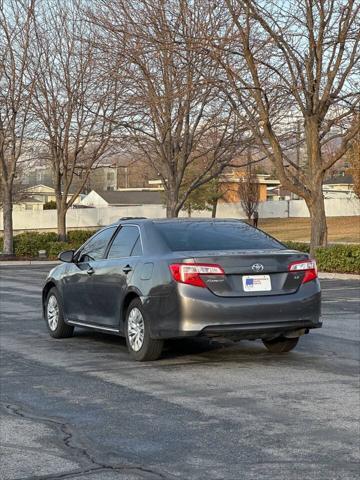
(52, 311)
(135, 329)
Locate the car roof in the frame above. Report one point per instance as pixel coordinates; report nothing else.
(142, 220)
(195, 220)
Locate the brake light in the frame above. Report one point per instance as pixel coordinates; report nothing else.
(307, 266)
(190, 273)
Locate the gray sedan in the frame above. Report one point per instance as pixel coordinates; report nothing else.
(151, 280)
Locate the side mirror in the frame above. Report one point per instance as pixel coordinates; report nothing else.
(67, 256)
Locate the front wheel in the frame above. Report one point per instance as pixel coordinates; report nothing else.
(54, 316)
(137, 332)
(281, 344)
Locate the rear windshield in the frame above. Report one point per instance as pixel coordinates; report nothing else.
(182, 236)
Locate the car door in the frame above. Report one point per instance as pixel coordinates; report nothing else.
(113, 275)
(82, 299)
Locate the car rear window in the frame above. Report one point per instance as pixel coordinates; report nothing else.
(182, 236)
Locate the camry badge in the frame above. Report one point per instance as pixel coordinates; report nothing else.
(257, 267)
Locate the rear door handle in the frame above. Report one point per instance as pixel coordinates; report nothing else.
(90, 271)
(127, 269)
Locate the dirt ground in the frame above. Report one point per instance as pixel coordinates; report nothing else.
(340, 229)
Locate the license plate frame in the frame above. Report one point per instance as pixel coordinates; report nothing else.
(256, 283)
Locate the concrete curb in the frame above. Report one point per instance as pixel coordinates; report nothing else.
(21, 263)
(338, 276)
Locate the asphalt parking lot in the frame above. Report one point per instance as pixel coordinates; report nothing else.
(80, 409)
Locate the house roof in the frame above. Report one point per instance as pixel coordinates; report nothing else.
(237, 177)
(45, 188)
(340, 180)
(40, 186)
(114, 197)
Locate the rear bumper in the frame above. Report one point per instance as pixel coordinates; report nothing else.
(259, 330)
(193, 311)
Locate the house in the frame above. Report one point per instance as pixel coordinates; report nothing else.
(27, 203)
(340, 186)
(230, 184)
(34, 198)
(123, 197)
(45, 193)
(103, 177)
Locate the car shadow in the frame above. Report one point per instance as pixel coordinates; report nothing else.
(190, 350)
(200, 349)
(205, 349)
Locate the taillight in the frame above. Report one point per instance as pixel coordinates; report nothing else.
(307, 266)
(189, 273)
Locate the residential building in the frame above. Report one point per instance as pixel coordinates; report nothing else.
(124, 197)
(340, 186)
(28, 203)
(34, 198)
(230, 184)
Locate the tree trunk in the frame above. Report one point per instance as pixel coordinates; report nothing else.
(315, 203)
(172, 210)
(318, 236)
(8, 247)
(61, 222)
(214, 208)
(189, 210)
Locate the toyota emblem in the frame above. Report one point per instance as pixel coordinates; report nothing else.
(257, 267)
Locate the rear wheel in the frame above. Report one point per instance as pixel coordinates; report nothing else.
(137, 332)
(281, 344)
(54, 316)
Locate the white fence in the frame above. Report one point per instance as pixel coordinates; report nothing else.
(96, 217)
(343, 207)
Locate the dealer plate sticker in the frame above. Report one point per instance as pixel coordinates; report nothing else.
(256, 283)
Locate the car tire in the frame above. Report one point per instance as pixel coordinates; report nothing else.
(281, 344)
(141, 346)
(54, 316)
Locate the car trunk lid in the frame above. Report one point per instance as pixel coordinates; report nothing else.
(252, 272)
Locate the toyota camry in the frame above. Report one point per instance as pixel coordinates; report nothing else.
(151, 280)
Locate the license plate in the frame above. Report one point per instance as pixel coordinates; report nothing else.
(256, 283)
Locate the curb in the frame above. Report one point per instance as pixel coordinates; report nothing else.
(338, 276)
(21, 263)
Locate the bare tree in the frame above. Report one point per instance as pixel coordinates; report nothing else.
(295, 60)
(249, 193)
(16, 89)
(180, 116)
(76, 100)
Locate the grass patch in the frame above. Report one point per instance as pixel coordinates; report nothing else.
(340, 229)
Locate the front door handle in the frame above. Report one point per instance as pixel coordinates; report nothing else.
(127, 269)
(90, 271)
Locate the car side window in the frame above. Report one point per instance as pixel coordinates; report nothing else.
(126, 243)
(137, 249)
(95, 248)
